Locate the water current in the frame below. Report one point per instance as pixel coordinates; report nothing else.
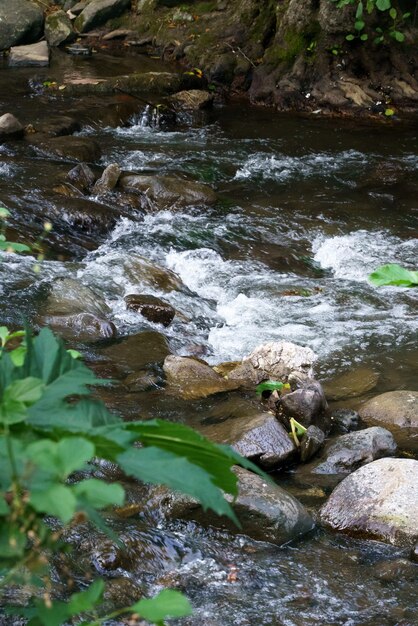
(306, 209)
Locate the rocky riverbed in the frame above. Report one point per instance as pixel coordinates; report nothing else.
(194, 255)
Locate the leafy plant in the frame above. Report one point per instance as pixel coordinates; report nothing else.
(391, 26)
(296, 430)
(271, 385)
(51, 427)
(393, 274)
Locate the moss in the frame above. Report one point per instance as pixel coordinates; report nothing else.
(293, 45)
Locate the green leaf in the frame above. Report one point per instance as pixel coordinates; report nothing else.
(86, 600)
(168, 603)
(13, 247)
(58, 501)
(157, 466)
(54, 615)
(27, 390)
(4, 335)
(100, 494)
(271, 385)
(393, 274)
(359, 11)
(61, 458)
(18, 355)
(359, 25)
(12, 411)
(383, 5)
(389, 112)
(75, 354)
(393, 13)
(12, 541)
(4, 507)
(350, 37)
(4, 213)
(398, 36)
(364, 37)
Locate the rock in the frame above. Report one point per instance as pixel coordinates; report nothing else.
(141, 271)
(355, 382)
(395, 570)
(156, 83)
(97, 12)
(265, 510)
(83, 326)
(58, 28)
(20, 22)
(119, 33)
(10, 127)
(82, 177)
(191, 100)
(69, 147)
(58, 126)
(312, 441)
(108, 180)
(394, 408)
(81, 214)
(274, 360)
(135, 352)
(68, 296)
(152, 308)
(414, 553)
(344, 421)
(78, 7)
(348, 452)
(141, 381)
(167, 192)
(378, 501)
(29, 55)
(259, 437)
(191, 378)
(305, 404)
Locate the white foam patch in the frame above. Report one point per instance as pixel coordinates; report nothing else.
(7, 170)
(281, 167)
(354, 256)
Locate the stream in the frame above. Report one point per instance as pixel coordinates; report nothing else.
(306, 209)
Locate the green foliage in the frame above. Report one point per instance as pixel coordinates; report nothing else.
(271, 385)
(391, 22)
(296, 430)
(393, 274)
(51, 428)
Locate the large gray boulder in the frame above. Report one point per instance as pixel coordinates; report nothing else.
(275, 360)
(265, 510)
(21, 21)
(97, 12)
(394, 408)
(348, 452)
(58, 28)
(378, 501)
(259, 437)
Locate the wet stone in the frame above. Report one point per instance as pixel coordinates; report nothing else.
(36, 54)
(10, 127)
(191, 378)
(83, 149)
(344, 421)
(108, 180)
(152, 308)
(395, 570)
(258, 437)
(82, 177)
(305, 404)
(312, 441)
(135, 352)
(140, 270)
(354, 383)
(348, 452)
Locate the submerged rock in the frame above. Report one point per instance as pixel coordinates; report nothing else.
(142, 271)
(97, 12)
(136, 352)
(312, 441)
(35, 54)
(21, 21)
(152, 308)
(348, 452)
(344, 421)
(191, 378)
(378, 501)
(82, 177)
(69, 147)
(76, 311)
(167, 192)
(355, 382)
(394, 408)
(10, 127)
(274, 360)
(265, 510)
(259, 437)
(58, 28)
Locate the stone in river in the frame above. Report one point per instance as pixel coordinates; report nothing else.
(36, 54)
(152, 308)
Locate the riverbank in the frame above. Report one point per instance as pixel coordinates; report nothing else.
(293, 217)
(283, 57)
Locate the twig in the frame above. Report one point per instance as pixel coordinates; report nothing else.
(237, 48)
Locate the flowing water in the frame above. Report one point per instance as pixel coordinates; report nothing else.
(306, 209)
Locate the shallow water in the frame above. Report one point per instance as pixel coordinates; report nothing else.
(307, 208)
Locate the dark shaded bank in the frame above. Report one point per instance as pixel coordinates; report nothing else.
(290, 55)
